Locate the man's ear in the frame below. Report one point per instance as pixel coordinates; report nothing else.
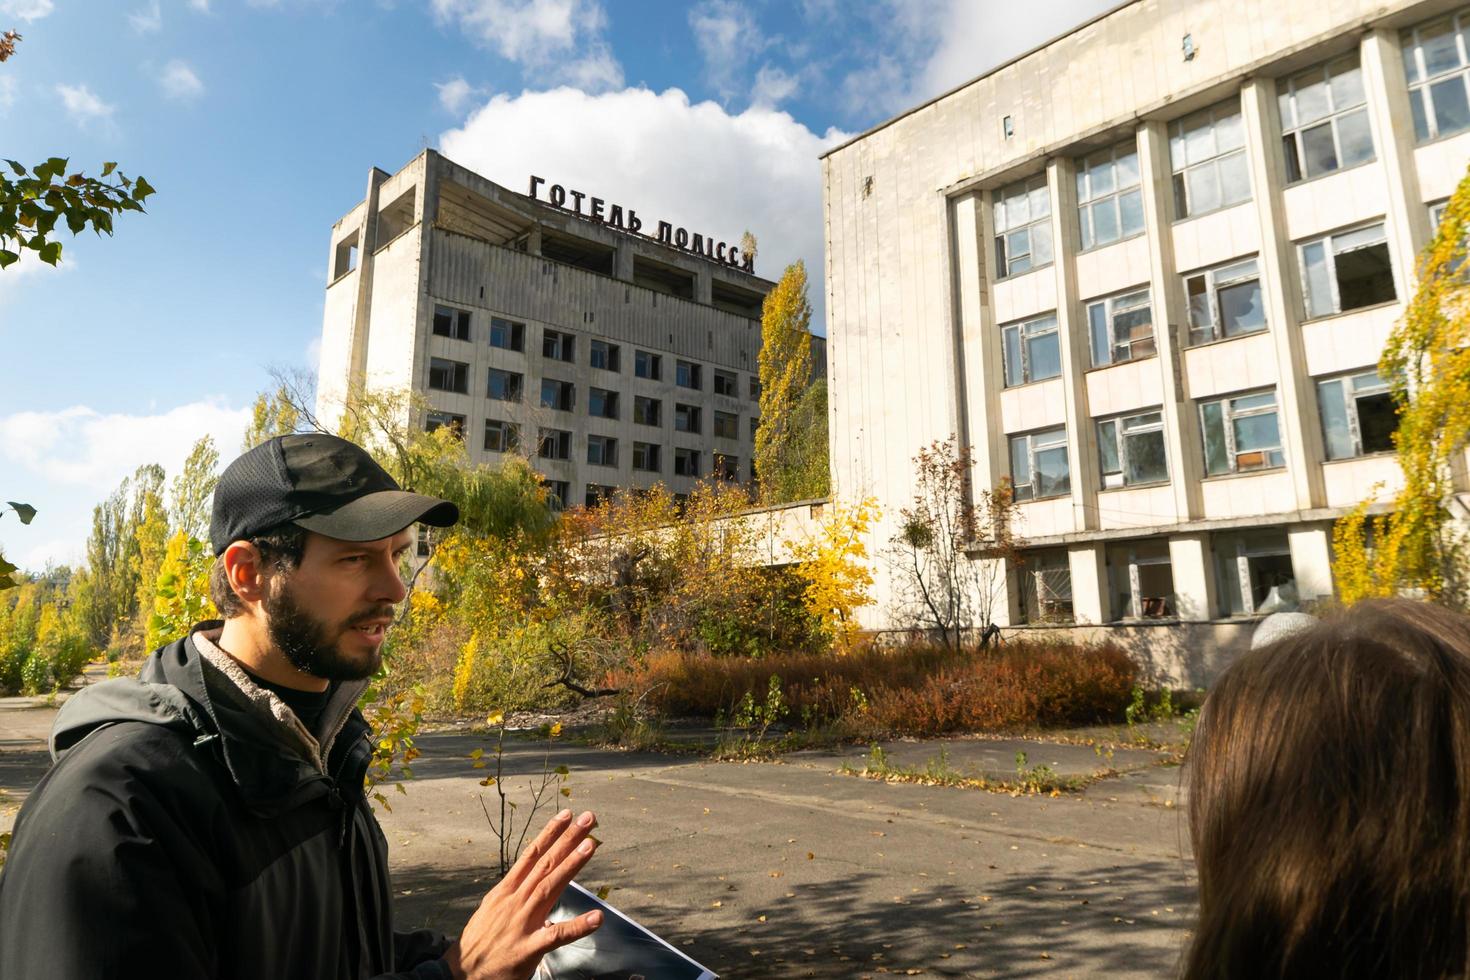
(246, 571)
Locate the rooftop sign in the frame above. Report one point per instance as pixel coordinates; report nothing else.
(599, 210)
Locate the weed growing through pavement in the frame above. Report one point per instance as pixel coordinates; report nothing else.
(938, 771)
(510, 830)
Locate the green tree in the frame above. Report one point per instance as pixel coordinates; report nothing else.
(193, 489)
(181, 590)
(148, 522)
(790, 460)
(1415, 548)
(273, 414)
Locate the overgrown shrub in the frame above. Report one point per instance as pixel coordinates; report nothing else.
(919, 689)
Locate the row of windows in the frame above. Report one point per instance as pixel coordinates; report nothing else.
(1324, 128)
(561, 396)
(604, 355)
(1240, 434)
(1345, 271)
(596, 494)
(1253, 576)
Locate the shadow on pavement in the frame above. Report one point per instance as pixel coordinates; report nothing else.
(1113, 921)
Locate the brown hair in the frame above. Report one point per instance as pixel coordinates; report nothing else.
(281, 546)
(1330, 802)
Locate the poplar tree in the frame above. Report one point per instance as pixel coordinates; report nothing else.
(192, 491)
(784, 446)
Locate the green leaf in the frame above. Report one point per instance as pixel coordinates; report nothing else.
(51, 253)
(6, 582)
(141, 189)
(562, 771)
(19, 170)
(603, 892)
(25, 512)
(108, 168)
(7, 257)
(5, 567)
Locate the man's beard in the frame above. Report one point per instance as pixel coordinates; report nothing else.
(308, 642)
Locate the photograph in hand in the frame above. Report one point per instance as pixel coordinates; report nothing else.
(620, 950)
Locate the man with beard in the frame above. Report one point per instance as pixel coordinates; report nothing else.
(207, 819)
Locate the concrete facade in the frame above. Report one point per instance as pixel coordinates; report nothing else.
(1146, 271)
(477, 296)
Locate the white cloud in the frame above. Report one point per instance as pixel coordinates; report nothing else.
(728, 37)
(179, 82)
(82, 104)
(26, 10)
(64, 462)
(200, 5)
(30, 268)
(148, 20)
(695, 165)
(454, 94)
(556, 41)
(773, 86)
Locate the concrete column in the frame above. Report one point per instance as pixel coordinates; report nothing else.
(1090, 601)
(977, 345)
(1311, 560)
(367, 243)
(703, 286)
(1407, 220)
(1281, 289)
(1190, 562)
(533, 240)
(622, 258)
(1181, 430)
(1061, 184)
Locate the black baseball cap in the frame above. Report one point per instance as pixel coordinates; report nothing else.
(319, 482)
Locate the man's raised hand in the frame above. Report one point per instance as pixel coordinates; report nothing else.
(509, 932)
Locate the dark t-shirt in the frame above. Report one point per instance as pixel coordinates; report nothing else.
(308, 705)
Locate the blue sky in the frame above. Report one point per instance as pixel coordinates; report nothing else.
(258, 120)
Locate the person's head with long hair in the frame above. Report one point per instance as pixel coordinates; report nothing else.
(1330, 802)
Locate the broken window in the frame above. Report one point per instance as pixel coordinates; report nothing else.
(1207, 151)
(645, 456)
(1324, 121)
(557, 346)
(604, 355)
(554, 444)
(1122, 328)
(727, 426)
(1046, 587)
(686, 375)
(1031, 350)
(344, 257)
(647, 365)
(686, 418)
(558, 491)
(1039, 464)
(597, 494)
(686, 462)
(501, 437)
(560, 395)
(1022, 227)
(1435, 66)
(726, 467)
(727, 384)
(1253, 573)
(1358, 415)
(446, 375)
(602, 450)
(439, 420)
(1109, 202)
(1347, 271)
(1131, 450)
(1241, 434)
(504, 386)
(647, 411)
(452, 323)
(507, 334)
(1141, 579)
(602, 403)
(1225, 302)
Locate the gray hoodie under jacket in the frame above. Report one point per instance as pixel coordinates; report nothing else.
(191, 827)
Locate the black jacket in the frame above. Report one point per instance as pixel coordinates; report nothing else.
(184, 832)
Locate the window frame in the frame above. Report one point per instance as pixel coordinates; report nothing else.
(1136, 599)
(609, 397)
(559, 441)
(562, 346)
(608, 450)
(1087, 200)
(1213, 285)
(566, 387)
(1350, 410)
(647, 361)
(1330, 255)
(1120, 438)
(641, 404)
(460, 372)
(1111, 310)
(437, 419)
(643, 450)
(514, 332)
(1002, 230)
(514, 380)
(1180, 168)
(688, 370)
(459, 327)
(690, 454)
(1025, 492)
(1035, 590)
(725, 466)
(611, 355)
(1247, 545)
(509, 438)
(1026, 332)
(1419, 81)
(733, 427)
(731, 382)
(694, 422)
(594, 494)
(557, 493)
(1292, 131)
(1227, 419)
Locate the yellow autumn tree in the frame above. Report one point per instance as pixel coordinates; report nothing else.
(833, 567)
(1415, 548)
(791, 440)
(180, 591)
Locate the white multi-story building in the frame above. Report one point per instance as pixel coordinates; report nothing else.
(559, 325)
(1146, 271)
